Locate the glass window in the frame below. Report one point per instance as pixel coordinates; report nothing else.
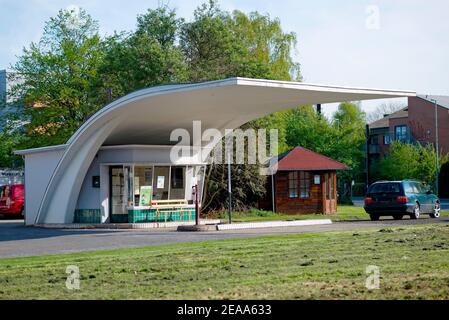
(400, 133)
(198, 176)
(143, 178)
(408, 188)
(118, 191)
(139, 185)
(304, 185)
(177, 177)
(385, 188)
(293, 185)
(387, 139)
(177, 191)
(5, 196)
(420, 188)
(128, 172)
(415, 188)
(161, 183)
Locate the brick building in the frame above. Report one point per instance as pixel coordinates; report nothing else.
(6, 102)
(305, 183)
(413, 124)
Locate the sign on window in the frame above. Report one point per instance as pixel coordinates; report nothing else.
(146, 193)
(160, 182)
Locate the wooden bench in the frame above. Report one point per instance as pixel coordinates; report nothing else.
(170, 204)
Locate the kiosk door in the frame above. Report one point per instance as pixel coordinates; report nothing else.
(118, 212)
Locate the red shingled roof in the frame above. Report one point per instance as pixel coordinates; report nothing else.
(302, 159)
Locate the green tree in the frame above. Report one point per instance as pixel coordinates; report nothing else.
(9, 141)
(276, 121)
(410, 161)
(146, 57)
(307, 129)
(218, 45)
(209, 44)
(57, 76)
(349, 125)
(11, 135)
(268, 49)
(341, 137)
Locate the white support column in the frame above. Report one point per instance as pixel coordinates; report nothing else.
(104, 193)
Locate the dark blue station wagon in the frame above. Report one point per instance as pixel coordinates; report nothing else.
(400, 198)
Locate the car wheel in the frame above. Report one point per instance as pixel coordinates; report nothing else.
(436, 211)
(398, 217)
(374, 217)
(416, 212)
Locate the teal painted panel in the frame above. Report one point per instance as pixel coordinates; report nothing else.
(87, 216)
(169, 215)
(119, 218)
(136, 216)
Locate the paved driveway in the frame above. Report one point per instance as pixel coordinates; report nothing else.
(16, 240)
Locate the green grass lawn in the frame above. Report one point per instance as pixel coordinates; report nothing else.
(413, 263)
(344, 213)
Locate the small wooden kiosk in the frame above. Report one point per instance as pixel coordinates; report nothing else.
(305, 183)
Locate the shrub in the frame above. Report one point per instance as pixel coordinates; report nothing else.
(359, 189)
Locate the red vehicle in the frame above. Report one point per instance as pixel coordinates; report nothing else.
(12, 199)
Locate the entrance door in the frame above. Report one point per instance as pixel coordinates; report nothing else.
(330, 193)
(118, 212)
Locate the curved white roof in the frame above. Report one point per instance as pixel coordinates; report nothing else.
(151, 114)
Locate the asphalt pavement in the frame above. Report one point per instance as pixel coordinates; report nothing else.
(16, 240)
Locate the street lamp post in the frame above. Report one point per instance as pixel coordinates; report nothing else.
(367, 144)
(437, 147)
(197, 204)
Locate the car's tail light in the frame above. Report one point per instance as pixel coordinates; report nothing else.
(368, 201)
(402, 200)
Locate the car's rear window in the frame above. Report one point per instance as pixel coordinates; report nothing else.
(385, 188)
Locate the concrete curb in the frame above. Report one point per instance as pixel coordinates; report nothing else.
(273, 224)
(127, 226)
(205, 225)
(195, 228)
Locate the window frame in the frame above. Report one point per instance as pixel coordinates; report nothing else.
(174, 181)
(193, 171)
(293, 184)
(402, 134)
(304, 185)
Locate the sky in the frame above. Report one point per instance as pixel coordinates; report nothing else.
(387, 44)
